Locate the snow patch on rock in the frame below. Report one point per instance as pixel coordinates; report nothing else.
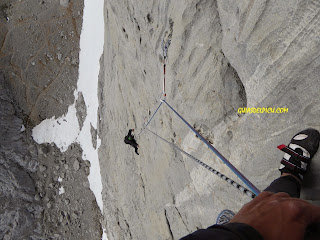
(65, 130)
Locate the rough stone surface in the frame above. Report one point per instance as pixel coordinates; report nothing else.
(39, 48)
(223, 55)
(44, 194)
(72, 213)
(20, 212)
(31, 204)
(94, 133)
(64, 3)
(81, 109)
(76, 165)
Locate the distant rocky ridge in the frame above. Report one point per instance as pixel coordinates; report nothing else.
(44, 193)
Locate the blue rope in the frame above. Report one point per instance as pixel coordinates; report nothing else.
(236, 171)
(150, 119)
(153, 115)
(228, 180)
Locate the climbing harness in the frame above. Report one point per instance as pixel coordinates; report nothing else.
(230, 181)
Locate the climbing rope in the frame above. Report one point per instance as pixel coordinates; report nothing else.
(236, 171)
(230, 181)
(254, 191)
(165, 47)
(146, 125)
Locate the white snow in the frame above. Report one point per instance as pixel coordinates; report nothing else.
(65, 130)
(62, 131)
(59, 179)
(23, 128)
(61, 190)
(104, 235)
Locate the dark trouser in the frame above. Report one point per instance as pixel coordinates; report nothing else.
(287, 184)
(135, 145)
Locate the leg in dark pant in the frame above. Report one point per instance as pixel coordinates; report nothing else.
(136, 150)
(287, 184)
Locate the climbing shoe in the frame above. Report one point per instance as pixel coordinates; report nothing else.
(299, 152)
(224, 217)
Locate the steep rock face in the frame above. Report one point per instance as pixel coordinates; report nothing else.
(223, 55)
(20, 211)
(271, 44)
(153, 195)
(274, 46)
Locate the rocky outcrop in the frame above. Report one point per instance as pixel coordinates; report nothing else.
(70, 208)
(45, 194)
(223, 55)
(39, 54)
(21, 212)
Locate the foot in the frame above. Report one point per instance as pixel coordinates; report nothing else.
(299, 153)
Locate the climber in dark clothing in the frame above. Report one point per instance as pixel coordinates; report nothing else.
(129, 139)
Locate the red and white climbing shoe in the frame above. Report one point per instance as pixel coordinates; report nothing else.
(298, 154)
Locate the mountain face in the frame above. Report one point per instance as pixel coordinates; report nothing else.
(223, 55)
(225, 60)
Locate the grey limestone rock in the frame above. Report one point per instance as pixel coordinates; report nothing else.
(76, 165)
(224, 55)
(39, 57)
(28, 50)
(20, 212)
(64, 3)
(93, 136)
(81, 109)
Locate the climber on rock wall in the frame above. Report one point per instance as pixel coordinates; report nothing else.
(129, 139)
